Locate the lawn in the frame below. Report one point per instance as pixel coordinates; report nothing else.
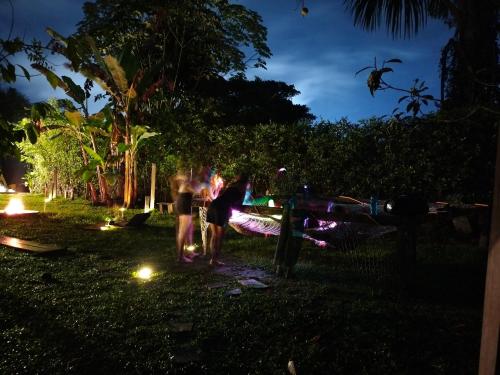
(343, 312)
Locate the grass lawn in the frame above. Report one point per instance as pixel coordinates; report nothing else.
(82, 312)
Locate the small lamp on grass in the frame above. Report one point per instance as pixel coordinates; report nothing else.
(122, 210)
(144, 273)
(191, 248)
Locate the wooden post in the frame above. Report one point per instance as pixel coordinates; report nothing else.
(491, 313)
(283, 238)
(153, 187)
(146, 203)
(54, 184)
(294, 241)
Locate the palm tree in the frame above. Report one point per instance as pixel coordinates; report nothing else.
(469, 61)
(469, 77)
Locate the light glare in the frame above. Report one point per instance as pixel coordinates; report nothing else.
(145, 273)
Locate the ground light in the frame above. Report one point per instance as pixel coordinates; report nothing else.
(144, 273)
(16, 207)
(191, 248)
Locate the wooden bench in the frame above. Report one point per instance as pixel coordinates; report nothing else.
(31, 246)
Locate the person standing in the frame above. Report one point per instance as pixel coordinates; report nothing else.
(185, 188)
(219, 212)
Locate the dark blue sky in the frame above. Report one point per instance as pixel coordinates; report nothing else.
(319, 53)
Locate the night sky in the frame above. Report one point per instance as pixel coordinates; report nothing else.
(319, 53)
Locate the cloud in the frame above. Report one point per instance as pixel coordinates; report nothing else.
(314, 78)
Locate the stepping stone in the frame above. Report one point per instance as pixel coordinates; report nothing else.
(216, 285)
(252, 283)
(31, 246)
(233, 292)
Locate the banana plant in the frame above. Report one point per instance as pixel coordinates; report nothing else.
(123, 80)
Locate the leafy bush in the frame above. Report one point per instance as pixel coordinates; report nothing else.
(51, 154)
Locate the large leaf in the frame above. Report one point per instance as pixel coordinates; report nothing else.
(52, 78)
(94, 155)
(31, 133)
(91, 73)
(117, 72)
(55, 35)
(75, 118)
(122, 147)
(73, 90)
(40, 110)
(26, 73)
(8, 73)
(87, 173)
(97, 130)
(129, 63)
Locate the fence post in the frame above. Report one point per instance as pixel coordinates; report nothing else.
(282, 239)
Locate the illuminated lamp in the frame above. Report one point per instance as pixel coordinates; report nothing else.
(144, 273)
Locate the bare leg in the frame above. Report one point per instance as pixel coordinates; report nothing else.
(189, 235)
(183, 236)
(216, 243)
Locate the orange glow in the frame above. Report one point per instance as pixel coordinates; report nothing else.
(15, 206)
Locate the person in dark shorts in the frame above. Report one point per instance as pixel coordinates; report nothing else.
(184, 188)
(219, 212)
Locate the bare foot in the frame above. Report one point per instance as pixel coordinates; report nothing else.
(192, 254)
(184, 260)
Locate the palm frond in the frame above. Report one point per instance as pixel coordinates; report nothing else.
(402, 18)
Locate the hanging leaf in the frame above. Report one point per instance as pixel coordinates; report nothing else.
(117, 73)
(91, 73)
(122, 147)
(31, 133)
(40, 110)
(385, 70)
(87, 174)
(374, 81)
(73, 90)
(394, 61)
(25, 72)
(74, 117)
(8, 73)
(94, 155)
(66, 104)
(402, 98)
(55, 35)
(52, 78)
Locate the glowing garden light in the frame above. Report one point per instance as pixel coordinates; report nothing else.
(122, 210)
(15, 206)
(191, 248)
(144, 273)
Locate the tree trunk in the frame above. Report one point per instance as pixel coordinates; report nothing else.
(127, 188)
(134, 180)
(103, 184)
(90, 187)
(491, 313)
